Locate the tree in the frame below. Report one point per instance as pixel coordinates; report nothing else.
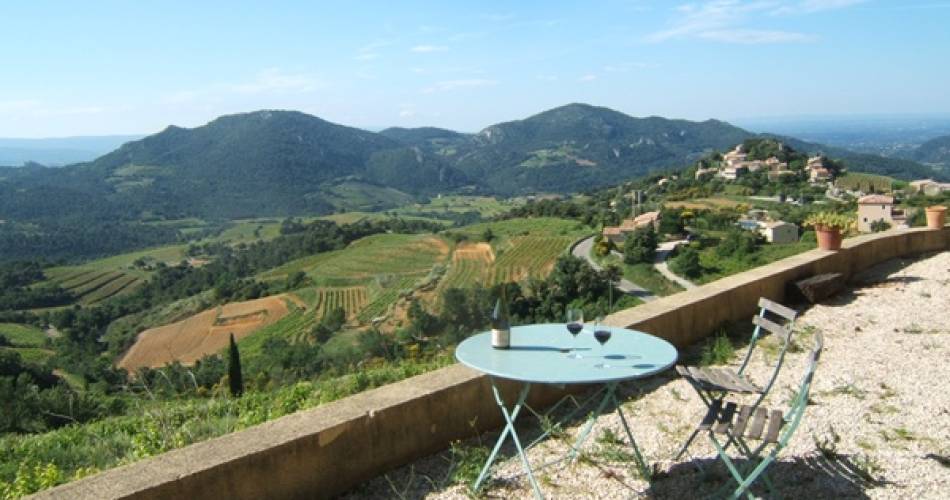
(640, 246)
(687, 263)
(235, 380)
(880, 225)
(488, 235)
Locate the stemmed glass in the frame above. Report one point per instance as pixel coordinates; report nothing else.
(602, 335)
(575, 323)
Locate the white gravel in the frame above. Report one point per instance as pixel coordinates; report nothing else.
(881, 396)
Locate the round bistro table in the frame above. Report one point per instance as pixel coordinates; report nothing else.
(540, 354)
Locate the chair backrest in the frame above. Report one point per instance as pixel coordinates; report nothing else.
(762, 321)
(800, 401)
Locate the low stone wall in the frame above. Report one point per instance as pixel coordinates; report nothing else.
(328, 450)
(689, 316)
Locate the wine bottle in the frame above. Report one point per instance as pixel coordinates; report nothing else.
(500, 326)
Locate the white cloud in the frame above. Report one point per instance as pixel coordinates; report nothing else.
(742, 21)
(424, 49)
(275, 80)
(756, 36)
(810, 6)
(19, 105)
(587, 78)
(448, 85)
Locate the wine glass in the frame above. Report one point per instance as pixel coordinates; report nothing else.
(602, 335)
(575, 323)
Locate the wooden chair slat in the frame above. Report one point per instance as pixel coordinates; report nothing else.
(758, 423)
(710, 417)
(725, 418)
(775, 328)
(743, 420)
(783, 311)
(775, 424)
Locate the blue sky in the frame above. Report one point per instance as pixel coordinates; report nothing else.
(107, 67)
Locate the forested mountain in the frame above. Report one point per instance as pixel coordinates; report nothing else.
(286, 163)
(935, 151)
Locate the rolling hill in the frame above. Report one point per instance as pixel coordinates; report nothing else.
(934, 152)
(277, 163)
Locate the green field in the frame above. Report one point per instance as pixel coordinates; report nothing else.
(858, 181)
(366, 258)
(715, 267)
(23, 335)
(94, 284)
(523, 248)
(485, 205)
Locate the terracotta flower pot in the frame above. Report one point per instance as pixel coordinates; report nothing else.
(829, 238)
(936, 217)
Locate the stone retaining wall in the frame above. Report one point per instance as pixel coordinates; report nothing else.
(330, 449)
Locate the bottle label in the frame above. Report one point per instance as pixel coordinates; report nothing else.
(500, 339)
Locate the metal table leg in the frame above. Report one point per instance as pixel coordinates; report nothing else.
(510, 418)
(610, 395)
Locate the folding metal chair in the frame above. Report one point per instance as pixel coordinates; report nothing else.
(714, 383)
(750, 424)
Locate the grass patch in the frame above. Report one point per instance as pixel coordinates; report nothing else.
(717, 350)
(23, 335)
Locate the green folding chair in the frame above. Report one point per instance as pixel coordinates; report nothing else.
(740, 423)
(714, 383)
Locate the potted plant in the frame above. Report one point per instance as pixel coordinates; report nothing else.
(829, 227)
(936, 216)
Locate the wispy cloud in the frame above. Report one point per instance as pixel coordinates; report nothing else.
(739, 21)
(370, 51)
(625, 67)
(32, 107)
(276, 80)
(547, 78)
(266, 82)
(811, 6)
(448, 85)
(587, 78)
(756, 36)
(423, 49)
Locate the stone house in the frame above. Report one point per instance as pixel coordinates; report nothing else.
(779, 232)
(872, 208)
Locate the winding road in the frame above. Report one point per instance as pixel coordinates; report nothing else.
(582, 250)
(659, 263)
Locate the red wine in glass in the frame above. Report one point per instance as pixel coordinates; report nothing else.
(575, 323)
(574, 328)
(602, 335)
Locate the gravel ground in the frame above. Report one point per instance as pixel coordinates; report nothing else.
(878, 425)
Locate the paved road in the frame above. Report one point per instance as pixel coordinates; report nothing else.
(582, 250)
(662, 252)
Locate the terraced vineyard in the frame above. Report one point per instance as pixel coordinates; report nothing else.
(380, 254)
(385, 297)
(529, 257)
(525, 257)
(471, 264)
(91, 285)
(351, 299)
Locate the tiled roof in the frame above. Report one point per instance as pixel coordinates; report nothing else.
(876, 199)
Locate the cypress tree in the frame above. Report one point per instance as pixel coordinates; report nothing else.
(235, 380)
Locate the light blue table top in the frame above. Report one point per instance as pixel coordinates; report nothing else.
(536, 355)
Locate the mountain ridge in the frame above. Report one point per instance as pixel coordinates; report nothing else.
(280, 162)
